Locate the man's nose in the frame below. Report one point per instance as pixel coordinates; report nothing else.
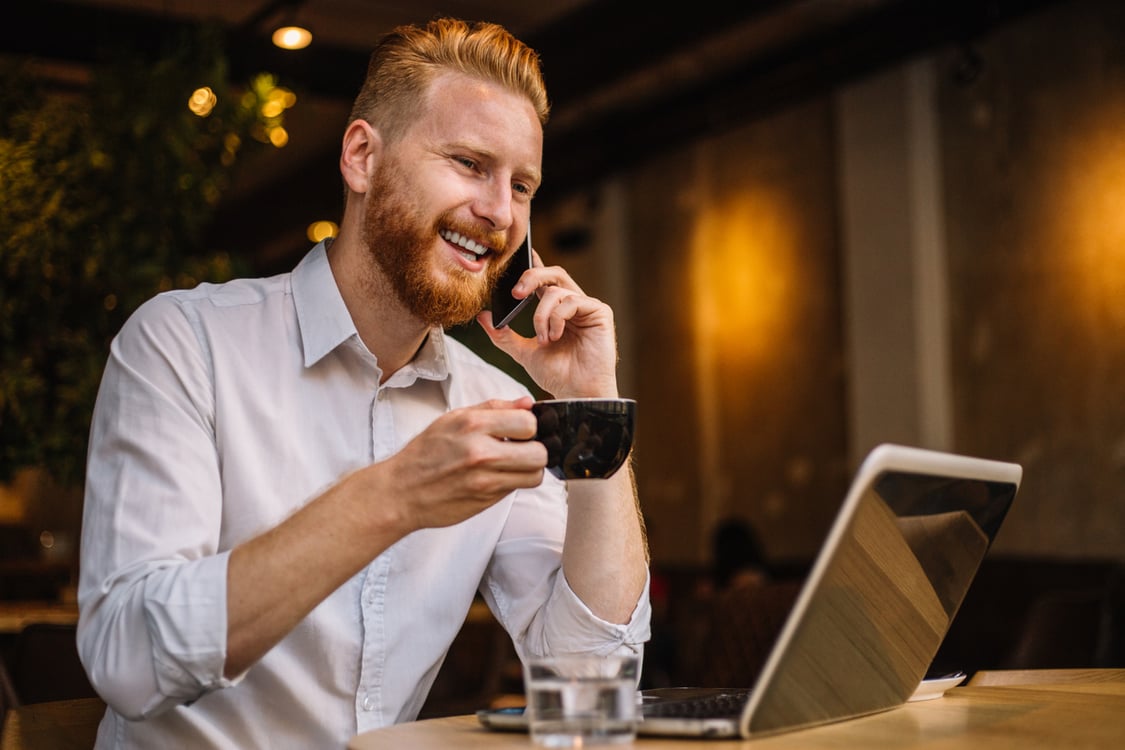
(494, 203)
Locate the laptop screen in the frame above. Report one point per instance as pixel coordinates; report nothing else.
(911, 494)
(948, 523)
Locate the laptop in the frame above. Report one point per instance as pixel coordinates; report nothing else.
(879, 599)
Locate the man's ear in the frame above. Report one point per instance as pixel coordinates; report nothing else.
(359, 157)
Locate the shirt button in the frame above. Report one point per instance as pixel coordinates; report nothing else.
(368, 703)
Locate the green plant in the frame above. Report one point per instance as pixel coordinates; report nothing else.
(105, 196)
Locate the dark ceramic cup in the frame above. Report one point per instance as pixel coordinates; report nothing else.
(586, 438)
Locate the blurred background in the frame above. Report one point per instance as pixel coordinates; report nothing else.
(822, 225)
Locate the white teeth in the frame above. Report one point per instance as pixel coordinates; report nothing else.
(470, 245)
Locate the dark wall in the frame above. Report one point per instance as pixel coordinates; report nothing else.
(1035, 195)
(736, 318)
(734, 307)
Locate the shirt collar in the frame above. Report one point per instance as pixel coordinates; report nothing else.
(322, 316)
(432, 360)
(325, 323)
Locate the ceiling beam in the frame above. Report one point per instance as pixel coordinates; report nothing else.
(813, 46)
(809, 65)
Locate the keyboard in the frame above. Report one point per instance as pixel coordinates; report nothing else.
(692, 703)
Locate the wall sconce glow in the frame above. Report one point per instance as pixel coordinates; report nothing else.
(292, 37)
(202, 101)
(1087, 223)
(744, 276)
(320, 230)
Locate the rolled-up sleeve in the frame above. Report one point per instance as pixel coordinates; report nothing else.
(152, 594)
(527, 590)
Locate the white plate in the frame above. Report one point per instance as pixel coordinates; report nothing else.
(935, 688)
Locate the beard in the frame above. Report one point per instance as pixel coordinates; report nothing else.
(400, 240)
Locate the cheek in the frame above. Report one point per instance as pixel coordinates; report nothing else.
(444, 187)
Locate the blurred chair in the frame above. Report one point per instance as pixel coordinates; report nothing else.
(744, 623)
(1062, 630)
(8, 697)
(55, 725)
(50, 703)
(1111, 632)
(45, 666)
(1081, 626)
(480, 669)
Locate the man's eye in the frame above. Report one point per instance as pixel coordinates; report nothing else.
(466, 162)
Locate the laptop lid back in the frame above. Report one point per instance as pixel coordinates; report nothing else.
(881, 595)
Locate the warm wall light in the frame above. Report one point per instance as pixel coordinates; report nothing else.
(1082, 200)
(292, 37)
(744, 276)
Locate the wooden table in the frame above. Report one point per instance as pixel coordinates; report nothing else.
(15, 615)
(1085, 712)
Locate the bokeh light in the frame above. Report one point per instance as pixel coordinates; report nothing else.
(320, 230)
(202, 101)
(292, 37)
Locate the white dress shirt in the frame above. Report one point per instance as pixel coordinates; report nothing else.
(223, 410)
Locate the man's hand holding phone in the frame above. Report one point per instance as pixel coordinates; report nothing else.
(573, 353)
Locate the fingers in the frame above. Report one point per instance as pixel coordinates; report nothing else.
(574, 349)
(536, 278)
(560, 300)
(554, 287)
(523, 402)
(559, 308)
(465, 461)
(506, 420)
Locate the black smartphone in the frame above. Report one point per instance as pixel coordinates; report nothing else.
(505, 307)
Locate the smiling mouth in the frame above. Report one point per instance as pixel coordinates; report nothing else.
(470, 248)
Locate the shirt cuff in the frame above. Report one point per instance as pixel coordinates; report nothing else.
(573, 628)
(186, 609)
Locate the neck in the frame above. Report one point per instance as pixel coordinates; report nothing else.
(384, 326)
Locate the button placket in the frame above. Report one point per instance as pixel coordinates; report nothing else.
(371, 604)
(373, 647)
(382, 426)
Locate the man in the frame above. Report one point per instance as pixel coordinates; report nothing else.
(297, 485)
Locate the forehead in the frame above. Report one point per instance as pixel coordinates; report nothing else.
(461, 109)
